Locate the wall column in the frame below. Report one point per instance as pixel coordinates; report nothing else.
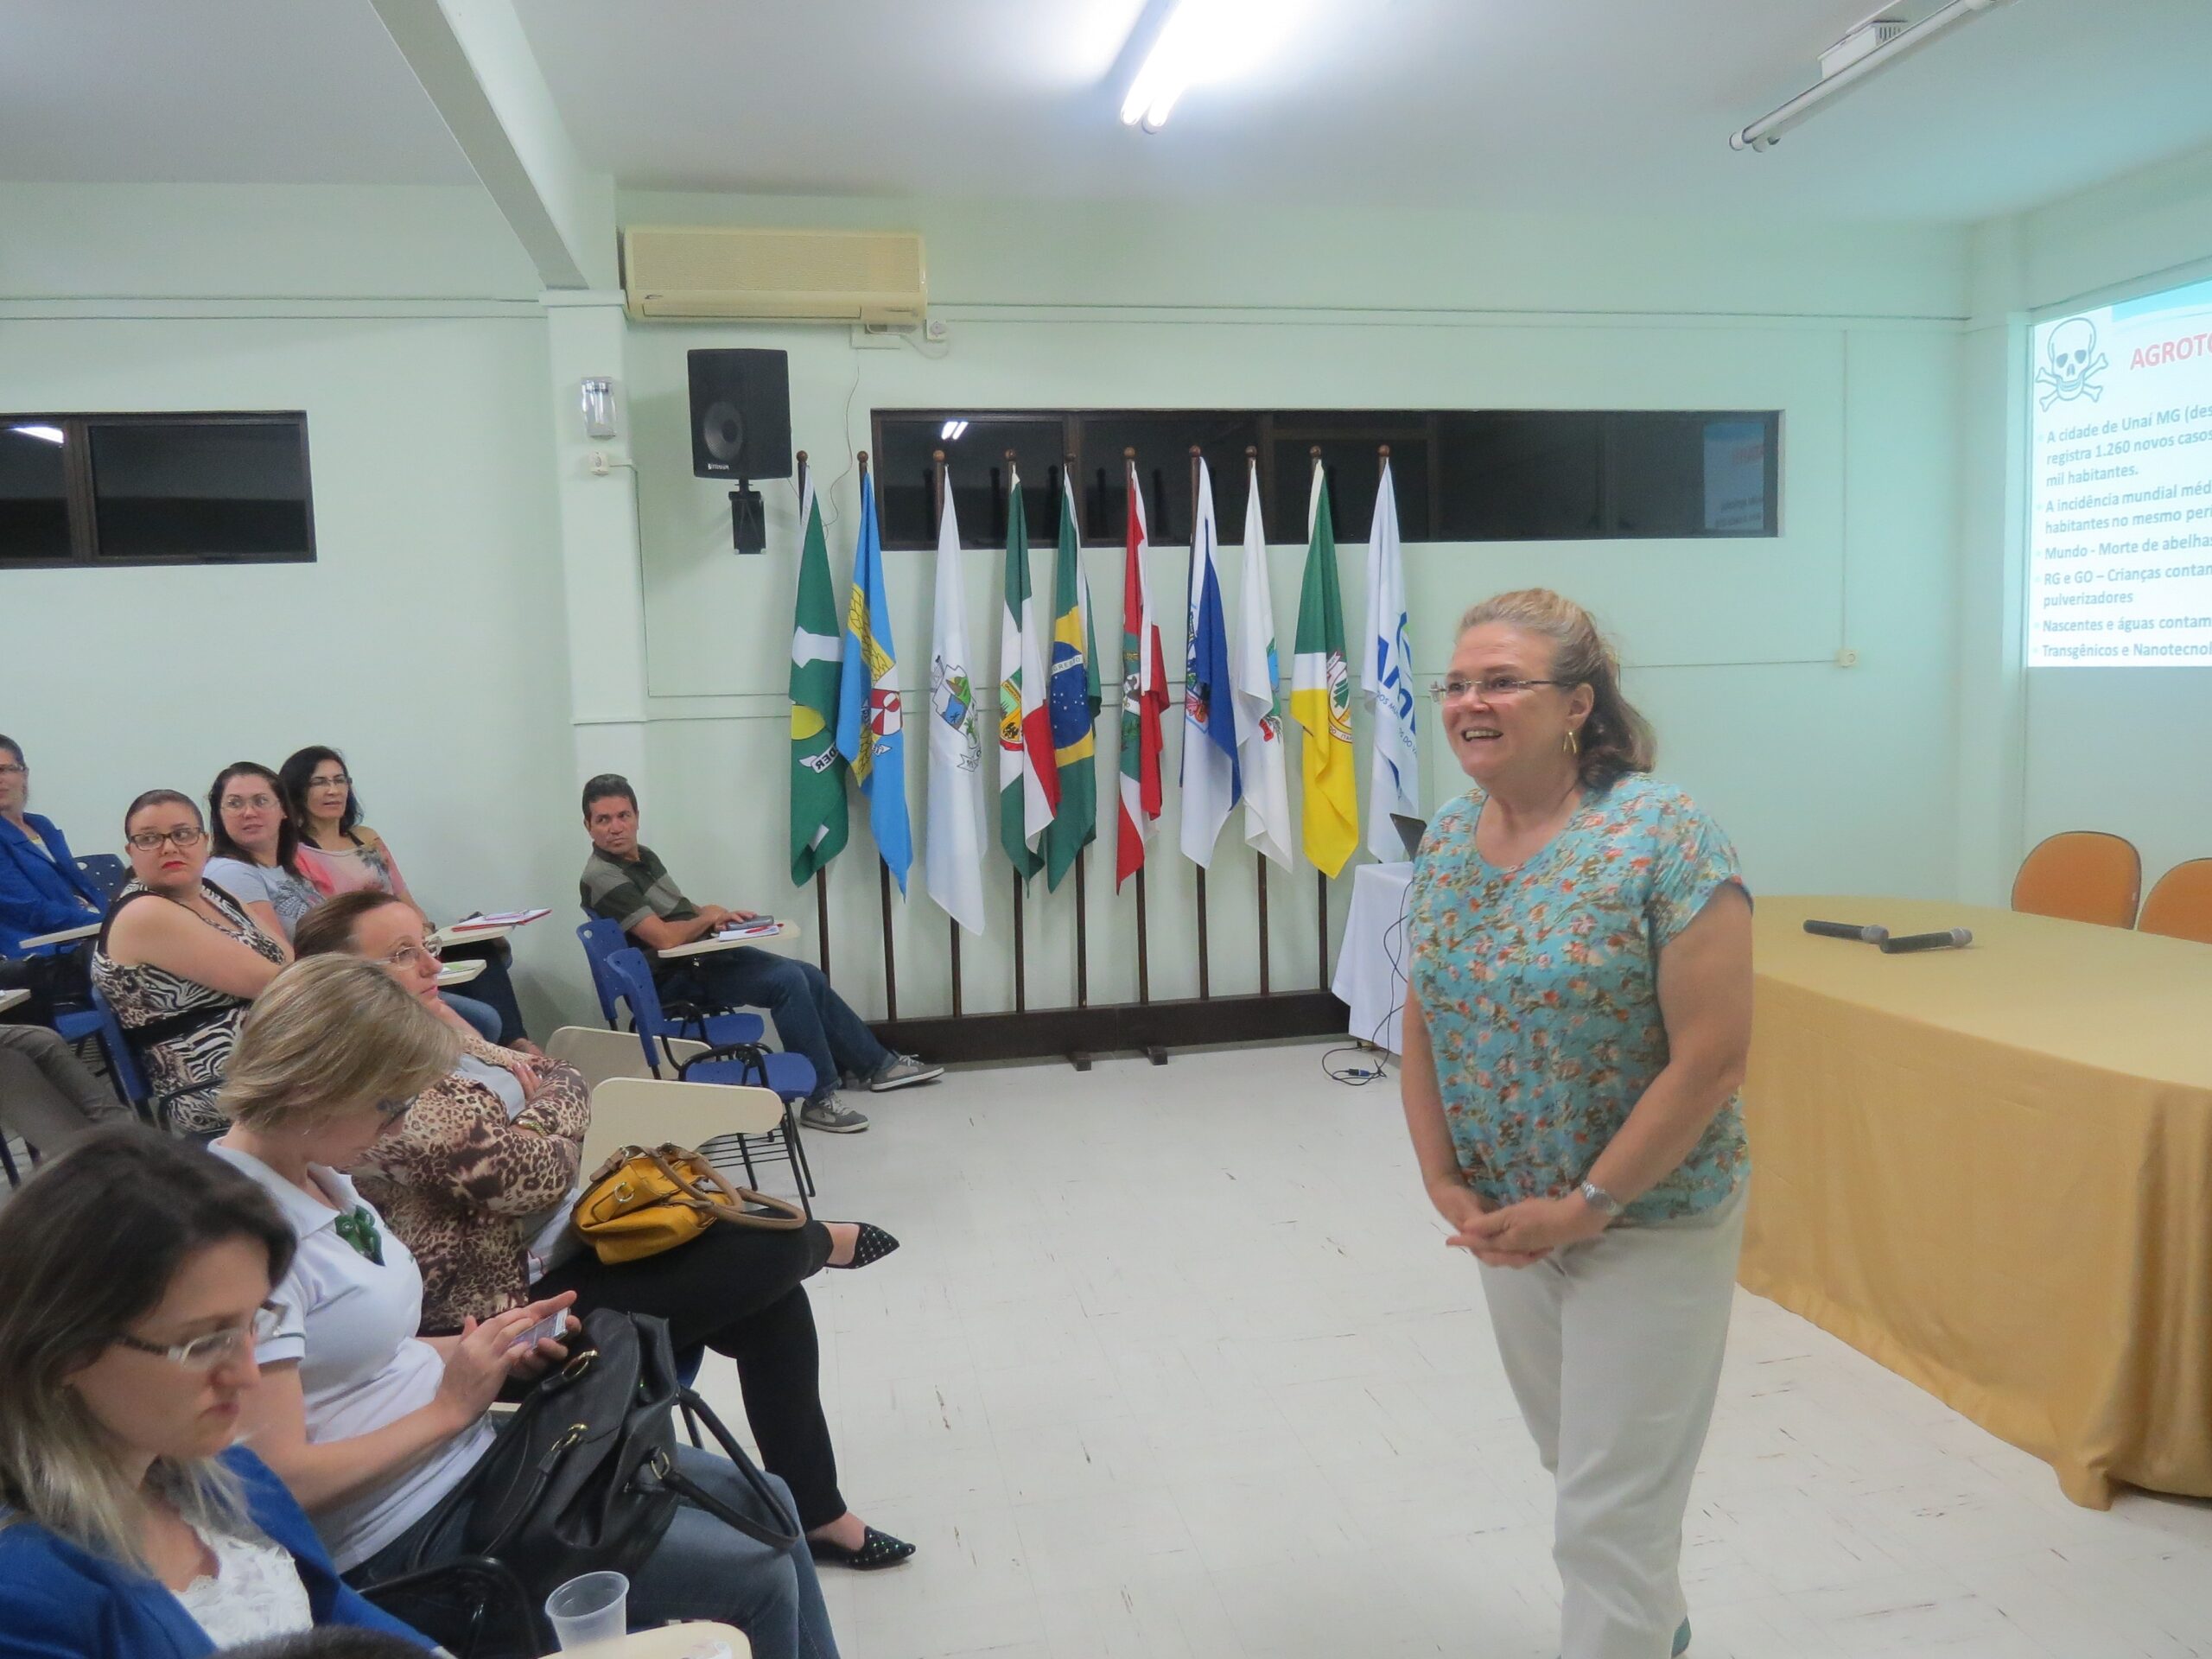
(602, 576)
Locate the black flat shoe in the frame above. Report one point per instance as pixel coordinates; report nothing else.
(881, 1550)
(873, 1245)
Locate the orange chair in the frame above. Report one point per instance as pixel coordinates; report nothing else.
(2083, 876)
(2181, 904)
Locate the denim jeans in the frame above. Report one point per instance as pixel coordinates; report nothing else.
(482, 1015)
(810, 1019)
(702, 1569)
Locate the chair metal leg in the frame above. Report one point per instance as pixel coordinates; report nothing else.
(797, 1150)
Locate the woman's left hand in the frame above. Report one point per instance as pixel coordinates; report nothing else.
(1531, 1229)
(523, 1067)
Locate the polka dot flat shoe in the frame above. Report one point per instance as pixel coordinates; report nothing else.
(873, 1245)
(878, 1551)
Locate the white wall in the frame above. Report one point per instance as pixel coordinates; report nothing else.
(2119, 749)
(1831, 779)
(427, 641)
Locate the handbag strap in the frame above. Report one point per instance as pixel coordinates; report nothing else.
(680, 1484)
(727, 1202)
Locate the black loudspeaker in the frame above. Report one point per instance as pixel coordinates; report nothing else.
(741, 414)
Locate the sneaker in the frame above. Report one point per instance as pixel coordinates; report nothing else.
(823, 1113)
(901, 1069)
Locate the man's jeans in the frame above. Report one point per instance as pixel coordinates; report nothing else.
(810, 1019)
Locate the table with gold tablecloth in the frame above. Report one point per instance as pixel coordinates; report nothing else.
(1991, 1170)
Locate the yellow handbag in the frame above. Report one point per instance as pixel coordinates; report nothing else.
(646, 1199)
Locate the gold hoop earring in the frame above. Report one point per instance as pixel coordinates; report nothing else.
(1574, 744)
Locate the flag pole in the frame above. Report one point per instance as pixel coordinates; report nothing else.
(1260, 864)
(952, 927)
(1144, 953)
(883, 869)
(1320, 876)
(1081, 900)
(822, 874)
(1020, 964)
(1205, 987)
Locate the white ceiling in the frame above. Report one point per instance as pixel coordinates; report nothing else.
(1521, 104)
(212, 91)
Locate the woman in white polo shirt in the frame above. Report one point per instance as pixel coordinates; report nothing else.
(371, 1426)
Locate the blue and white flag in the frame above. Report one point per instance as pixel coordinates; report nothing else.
(1387, 679)
(868, 717)
(1211, 782)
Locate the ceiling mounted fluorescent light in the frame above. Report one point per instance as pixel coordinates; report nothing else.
(1874, 54)
(1197, 38)
(50, 434)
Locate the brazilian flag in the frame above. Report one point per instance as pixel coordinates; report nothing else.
(1073, 702)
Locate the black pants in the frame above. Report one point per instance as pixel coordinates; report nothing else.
(739, 1291)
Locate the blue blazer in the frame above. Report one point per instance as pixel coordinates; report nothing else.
(39, 896)
(58, 1601)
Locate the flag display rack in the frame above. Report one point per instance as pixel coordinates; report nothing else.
(1084, 1030)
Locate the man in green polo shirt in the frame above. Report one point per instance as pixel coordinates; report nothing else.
(626, 883)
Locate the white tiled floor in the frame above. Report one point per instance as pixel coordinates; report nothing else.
(1174, 1363)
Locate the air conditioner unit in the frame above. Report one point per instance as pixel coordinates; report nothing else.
(872, 276)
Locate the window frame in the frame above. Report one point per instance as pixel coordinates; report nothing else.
(81, 497)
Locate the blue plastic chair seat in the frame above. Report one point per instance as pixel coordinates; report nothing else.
(791, 1076)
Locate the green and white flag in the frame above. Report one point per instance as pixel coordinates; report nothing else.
(818, 820)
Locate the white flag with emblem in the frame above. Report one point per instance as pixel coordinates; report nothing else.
(953, 860)
(1387, 678)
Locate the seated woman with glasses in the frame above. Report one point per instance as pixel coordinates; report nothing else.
(480, 1180)
(180, 961)
(257, 862)
(41, 889)
(340, 854)
(372, 1426)
(131, 1522)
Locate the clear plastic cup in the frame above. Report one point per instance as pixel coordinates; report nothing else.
(592, 1608)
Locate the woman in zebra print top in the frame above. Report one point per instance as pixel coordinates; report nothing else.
(179, 962)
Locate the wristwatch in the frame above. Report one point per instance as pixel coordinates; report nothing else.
(1601, 1200)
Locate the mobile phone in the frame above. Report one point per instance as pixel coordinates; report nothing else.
(552, 1327)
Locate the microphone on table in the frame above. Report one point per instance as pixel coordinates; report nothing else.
(1951, 938)
(1849, 930)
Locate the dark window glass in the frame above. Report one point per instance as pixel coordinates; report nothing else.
(906, 487)
(200, 489)
(34, 492)
(1350, 445)
(1162, 440)
(1461, 476)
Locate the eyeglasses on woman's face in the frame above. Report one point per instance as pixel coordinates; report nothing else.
(330, 780)
(248, 803)
(1496, 689)
(185, 836)
(407, 954)
(10, 769)
(206, 1353)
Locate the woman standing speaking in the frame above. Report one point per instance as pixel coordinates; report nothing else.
(1576, 1027)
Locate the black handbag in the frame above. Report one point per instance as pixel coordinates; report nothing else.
(584, 1477)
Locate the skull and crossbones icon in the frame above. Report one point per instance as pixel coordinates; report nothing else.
(2074, 359)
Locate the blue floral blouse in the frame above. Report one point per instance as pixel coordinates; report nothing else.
(1540, 987)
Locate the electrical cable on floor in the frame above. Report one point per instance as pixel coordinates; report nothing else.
(1371, 1065)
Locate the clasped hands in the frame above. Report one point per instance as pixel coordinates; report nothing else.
(1513, 1235)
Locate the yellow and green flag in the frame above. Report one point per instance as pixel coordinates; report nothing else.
(819, 825)
(1321, 697)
